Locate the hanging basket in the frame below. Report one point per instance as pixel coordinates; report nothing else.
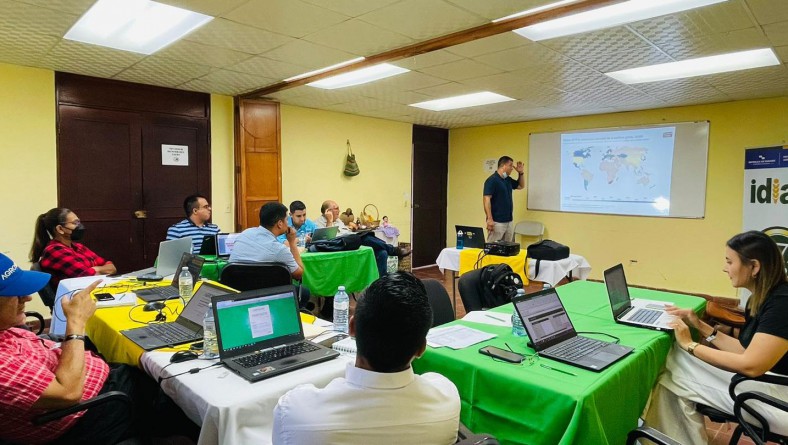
(372, 222)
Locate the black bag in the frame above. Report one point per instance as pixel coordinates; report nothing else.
(342, 243)
(547, 250)
(499, 285)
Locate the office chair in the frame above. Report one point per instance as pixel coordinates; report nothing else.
(248, 276)
(47, 293)
(442, 312)
(39, 320)
(470, 286)
(759, 434)
(651, 434)
(529, 228)
(467, 437)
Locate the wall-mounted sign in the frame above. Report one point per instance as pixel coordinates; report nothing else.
(490, 165)
(175, 155)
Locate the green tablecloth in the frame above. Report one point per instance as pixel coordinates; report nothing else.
(530, 404)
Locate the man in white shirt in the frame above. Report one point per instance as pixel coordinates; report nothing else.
(380, 400)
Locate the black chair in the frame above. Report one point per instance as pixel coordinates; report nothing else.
(47, 293)
(467, 437)
(651, 434)
(246, 276)
(758, 433)
(39, 321)
(470, 286)
(442, 312)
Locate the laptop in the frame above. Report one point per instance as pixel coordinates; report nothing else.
(472, 237)
(325, 233)
(170, 252)
(553, 336)
(193, 262)
(260, 334)
(186, 328)
(225, 243)
(208, 246)
(638, 312)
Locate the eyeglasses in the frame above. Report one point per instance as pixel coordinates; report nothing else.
(206, 207)
(76, 222)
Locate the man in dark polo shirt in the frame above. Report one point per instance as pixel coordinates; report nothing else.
(498, 199)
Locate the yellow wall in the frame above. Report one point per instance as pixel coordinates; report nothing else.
(222, 162)
(313, 157)
(678, 254)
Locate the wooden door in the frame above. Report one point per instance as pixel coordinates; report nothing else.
(430, 174)
(257, 159)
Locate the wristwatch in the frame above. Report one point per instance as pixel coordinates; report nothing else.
(691, 347)
(712, 336)
(74, 337)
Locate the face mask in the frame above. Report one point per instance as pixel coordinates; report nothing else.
(78, 233)
(505, 175)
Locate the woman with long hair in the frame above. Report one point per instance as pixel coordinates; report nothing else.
(697, 373)
(57, 249)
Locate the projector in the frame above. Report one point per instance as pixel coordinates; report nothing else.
(502, 248)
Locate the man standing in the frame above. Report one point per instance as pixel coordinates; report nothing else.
(497, 199)
(381, 399)
(196, 225)
(297, 220)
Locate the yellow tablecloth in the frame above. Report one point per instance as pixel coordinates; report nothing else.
(470, 257)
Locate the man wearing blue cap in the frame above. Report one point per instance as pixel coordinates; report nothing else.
(38, 375)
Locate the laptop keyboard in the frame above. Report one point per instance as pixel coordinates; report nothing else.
(172, 333)
(575, 348)
(164, 292)
(270, 355)
(646, 316)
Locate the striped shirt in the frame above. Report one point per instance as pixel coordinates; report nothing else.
(29, 365)
(188, 228)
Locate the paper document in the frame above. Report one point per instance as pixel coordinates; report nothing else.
(456, 337)
(124, 299)
(487, 317)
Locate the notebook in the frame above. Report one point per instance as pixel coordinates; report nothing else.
(553, 336)
(225, 243)
(325, 233)
(260, 335)
(170, 253)
(186, 328)
(638, 312)
(472, 237)
(193, 262)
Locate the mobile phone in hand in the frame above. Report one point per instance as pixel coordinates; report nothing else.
(501, 354)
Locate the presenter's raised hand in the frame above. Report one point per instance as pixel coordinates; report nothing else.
(520, 167)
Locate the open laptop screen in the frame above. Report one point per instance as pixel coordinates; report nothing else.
(225, 243)
(245, 321)
(617, 291)
(196, 307)
(472, 237)
(545, 319)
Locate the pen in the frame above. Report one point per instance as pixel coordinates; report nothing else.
(556, 369)
(494, 318)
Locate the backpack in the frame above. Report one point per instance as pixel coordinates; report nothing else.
(547, 250)
(499, 285)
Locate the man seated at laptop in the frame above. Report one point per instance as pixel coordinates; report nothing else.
(38, 375)
(196, 225)
(330, 218)
(259, 244)
(380, 400)
(297, 220)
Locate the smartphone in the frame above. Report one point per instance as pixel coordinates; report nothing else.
(104, 296)
(501, 354)
(333, 339)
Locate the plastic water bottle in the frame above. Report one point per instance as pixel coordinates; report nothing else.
(185, 284)
(546, 286)
(210, 348)
(517, 325)
(460, 243)
(341, 308)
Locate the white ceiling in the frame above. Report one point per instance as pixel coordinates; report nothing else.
(255, 43)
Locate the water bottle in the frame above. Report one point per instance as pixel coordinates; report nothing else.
(341, 308)
(546, 286)
(185, 284)
(210, 348)
(517, 325)
(460, 243)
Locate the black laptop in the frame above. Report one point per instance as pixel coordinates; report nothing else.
(553, 336)
(325, 233)
(260, 333)
(208, 246)
(193, 262)
(186, 328)
(472, 237)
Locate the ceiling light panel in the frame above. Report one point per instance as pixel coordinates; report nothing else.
(464, 101)
(358, 77)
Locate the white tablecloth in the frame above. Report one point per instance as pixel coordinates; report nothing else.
(549, 271)
(230, 409)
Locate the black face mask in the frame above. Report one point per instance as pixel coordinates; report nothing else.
(78, 232)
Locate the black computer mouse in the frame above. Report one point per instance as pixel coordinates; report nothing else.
(183, 356)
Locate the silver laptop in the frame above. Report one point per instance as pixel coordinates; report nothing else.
(193, 262)
(260, 333)
(472, 237)
(170, 253)
(186, 328)
(225, 243)
(553, 336)
(638, 312)
(325, 233)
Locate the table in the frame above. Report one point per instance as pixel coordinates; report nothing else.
(325, 271)
(534, 405)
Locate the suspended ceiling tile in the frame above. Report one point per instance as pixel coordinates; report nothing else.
(163, 72)
(285, 95)
(777, 33)
(607, 97)
(756, 77)
(205, 86)
(631, 59)
(698, 95)
(352, 8)
(422, 19)
(232, 35)
(312, 55)
(594, 44)
(204, 54)
(311, 103)
(77, 7)
(460, 70)
(425, 60)
(20, 40)
(410, 81)
(268, 68)
(382, 114)
(212, 8)
(293, 18)
(782, 53)
(398, 97)
(524, 56)
(448, 90)
(597, 81)
(709, 45)
(359, 106)
(359, 37)
(714, 19)
(499, 8)
(42, 20)
(91, 60)
(681, 85)
(522, 115)
(769, 11)
(18, 56)
(243, 82)
(487, 45)
(328, 96)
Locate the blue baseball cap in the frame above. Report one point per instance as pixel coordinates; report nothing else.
(16, 282)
